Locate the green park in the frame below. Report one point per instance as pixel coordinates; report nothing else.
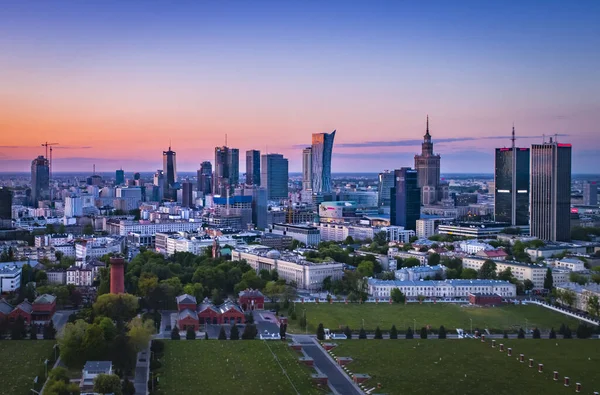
(240, 367)
(472, 367)
(496, 319)
(22, 361)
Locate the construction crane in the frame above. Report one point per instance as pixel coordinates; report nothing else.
(47, 144)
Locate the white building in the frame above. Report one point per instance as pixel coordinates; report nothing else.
(95, 247)
(425, 228)
(309, 235)
(397, 253)
(339, 232)
(10, 279)
(57, 276)
(574, 265)
(552, 249)
(73, 206)
(441, 289)
(150, 228)
(91, 370)
(582, 292)
(419, 272)
(51, 240)
(521, 271)
(80, 275)
(289, 266)
(560, 275)
(398, 234)
(474, 246)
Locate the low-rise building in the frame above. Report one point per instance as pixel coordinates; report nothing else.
(485, 299)
(57, 276)
(574, 265)
(583, 293)
(191, 315)
(521, 271)
(309, 235)
(91, 370)
(398, 234)
(251, 299)
(440, 289)
(278, 242)
(289, 266)
(474, 246)
(339, 232)
(425, 228)
(422, 257)
(419, 272)
(478, 230)
(10, 279)
(550, 250)
(495, 254)
(43, 308)
(80, 275)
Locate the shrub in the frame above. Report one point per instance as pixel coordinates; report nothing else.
(393, 332)
(423, 333)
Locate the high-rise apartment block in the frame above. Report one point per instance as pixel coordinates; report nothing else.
(40, 180)
(6, 197)
(551, 191)
(405, 207)
(590, 193)
(321, 150)
(274, 176)
(511, 184)
(187, 199)
(253, 168)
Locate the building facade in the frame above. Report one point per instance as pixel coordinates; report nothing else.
(590, 193)
(425, 228)
(253, 169)
(307, 169)
(309, 235)
(441, 289)
(205, 178)
(427, 166)
(227, 170)
(321, 150)
(274, 176)
(551, 191)
(521, 271)
(170, 172)
(40, 180)
(405, 207)
(384, 188)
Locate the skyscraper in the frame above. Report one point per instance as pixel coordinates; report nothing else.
(259, 207)
(551, 191)
(307, 168)
(253, 168)
(119, 177)
(159, 182)
(511, 180)
(227, 170)
(405, 207)
(274, 176)
(40, 180)
(187, 199)
(590, 193)
(6, 197)
(321, 150)
(384, 187)
(205, 178)
(428, 169)
(170, 172)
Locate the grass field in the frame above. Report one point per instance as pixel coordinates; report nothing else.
(232, 367)
(22, 360)
(471, 367)
(510, 317)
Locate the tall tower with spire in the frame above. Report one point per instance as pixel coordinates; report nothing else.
(428, 171)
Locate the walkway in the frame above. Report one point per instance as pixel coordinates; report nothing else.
(142, 369)
(339, 381)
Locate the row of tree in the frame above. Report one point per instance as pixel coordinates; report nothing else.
(18, 330)
(378, 334)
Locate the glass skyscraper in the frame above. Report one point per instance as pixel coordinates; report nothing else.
(170, 172)
(227, 170)
(551, 191)
(322, 148)
(384, 187)
(40, 180)
(253, 168)
(205, 178)
(405, 207)
(119, 177)
(307, 168)
(274, 176)
(511, 202)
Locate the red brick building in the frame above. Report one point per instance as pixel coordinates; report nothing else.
(251, 299)
(482, 299)
(192, 315)
(5, 310)
(44, 307)
(24, 310)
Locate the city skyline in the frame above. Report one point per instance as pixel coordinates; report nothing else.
(269, 75)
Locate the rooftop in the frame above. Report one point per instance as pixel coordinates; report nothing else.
(98, 366)
(45, 299)
(286, 256)
(433, 283)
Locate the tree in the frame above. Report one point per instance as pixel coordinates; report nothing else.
(118, 307)
(521, 334)
(378, 334)
(584, 331)
(569, 297)
(222, 334)
(282, 331)
(411, 262)
(593, 305)
(409, 333)
(468, 274)
(18, 330)
(393, 332)
(505, 335)
(537, 334)
(327, 283)
(108, 384)
(442, 332)
(568, 334)
(434, 259)
(423, 333)
(349, 240)
(205, 335)
(249, 318)
(216, 297)
(128, 388)
(140, 332)
(94, 344)
(528, 284)
(272, 290)
(552, 334)
(562, 329)
(33, 332)
(108, 327)
(61, 388)
(70, 341)
(487, 270)
(320, 332)
(175, 333)
(250, 332)
(362, 334)
(50, 229)
(505, 275)
(348, 332)
(88, 229)
(365, 269)
(548, 280)
(234, 334)
(397, 296)
(190, 333)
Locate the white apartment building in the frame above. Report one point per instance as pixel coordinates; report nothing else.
(96, 247)
(474, 246)
(309, 235)
(419, 272)
(397, 253)
(289, 266)
(10, 279)
(150, 228)
(52, 240)
(583, 293)
(398, 234)
(574, 265)
(73, 206)
(425, 228)
(339, 232)
(441, 289)
(521, 271)
(80, 276)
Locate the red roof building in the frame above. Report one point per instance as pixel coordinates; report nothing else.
(493, 254)
(483, 299)
(192, 315)
(24, 310)
(251, 299)
(44, 307)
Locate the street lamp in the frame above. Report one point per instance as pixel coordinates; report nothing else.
(414, 325)
(471, 319)
(54, 347)
(46, 365)
(526, 322)
(363, 321)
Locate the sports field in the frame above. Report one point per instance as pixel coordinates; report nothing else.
(384, 315)
(471, 367)
(21, 362)
(233, 367)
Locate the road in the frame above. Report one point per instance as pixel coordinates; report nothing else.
(61, 317)
(142, 367)
(339, 381)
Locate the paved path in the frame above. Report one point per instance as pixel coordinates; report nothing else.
(142, 369)
(339, 381)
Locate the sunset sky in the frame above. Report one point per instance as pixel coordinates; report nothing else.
(114, 81)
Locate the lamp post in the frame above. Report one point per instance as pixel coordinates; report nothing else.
(46, 365)
(526, 323)
(414, 325)
(363, 321)
(305, 323)
(54, 347)
(471, 319)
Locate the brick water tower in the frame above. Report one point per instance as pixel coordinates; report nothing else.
(117, 275)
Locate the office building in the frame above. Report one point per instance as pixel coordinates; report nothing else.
(259, 207)
(590, 193)
(321, 150)
(511, 185)
(205, 178)
(338, 212)
(309, 235)
(120, 177)
(253, 172)
(274, 176)
(227, 170)
(170, 173)
(384, 188)
(405, 208)
(187, 198)
(427, 166)
(551, 191)
(6, 196)
(307, 168)
(40, 180)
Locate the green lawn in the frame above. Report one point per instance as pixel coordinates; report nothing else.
(21, 361)
(232, 367)
(509, 317)
(471, 367)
